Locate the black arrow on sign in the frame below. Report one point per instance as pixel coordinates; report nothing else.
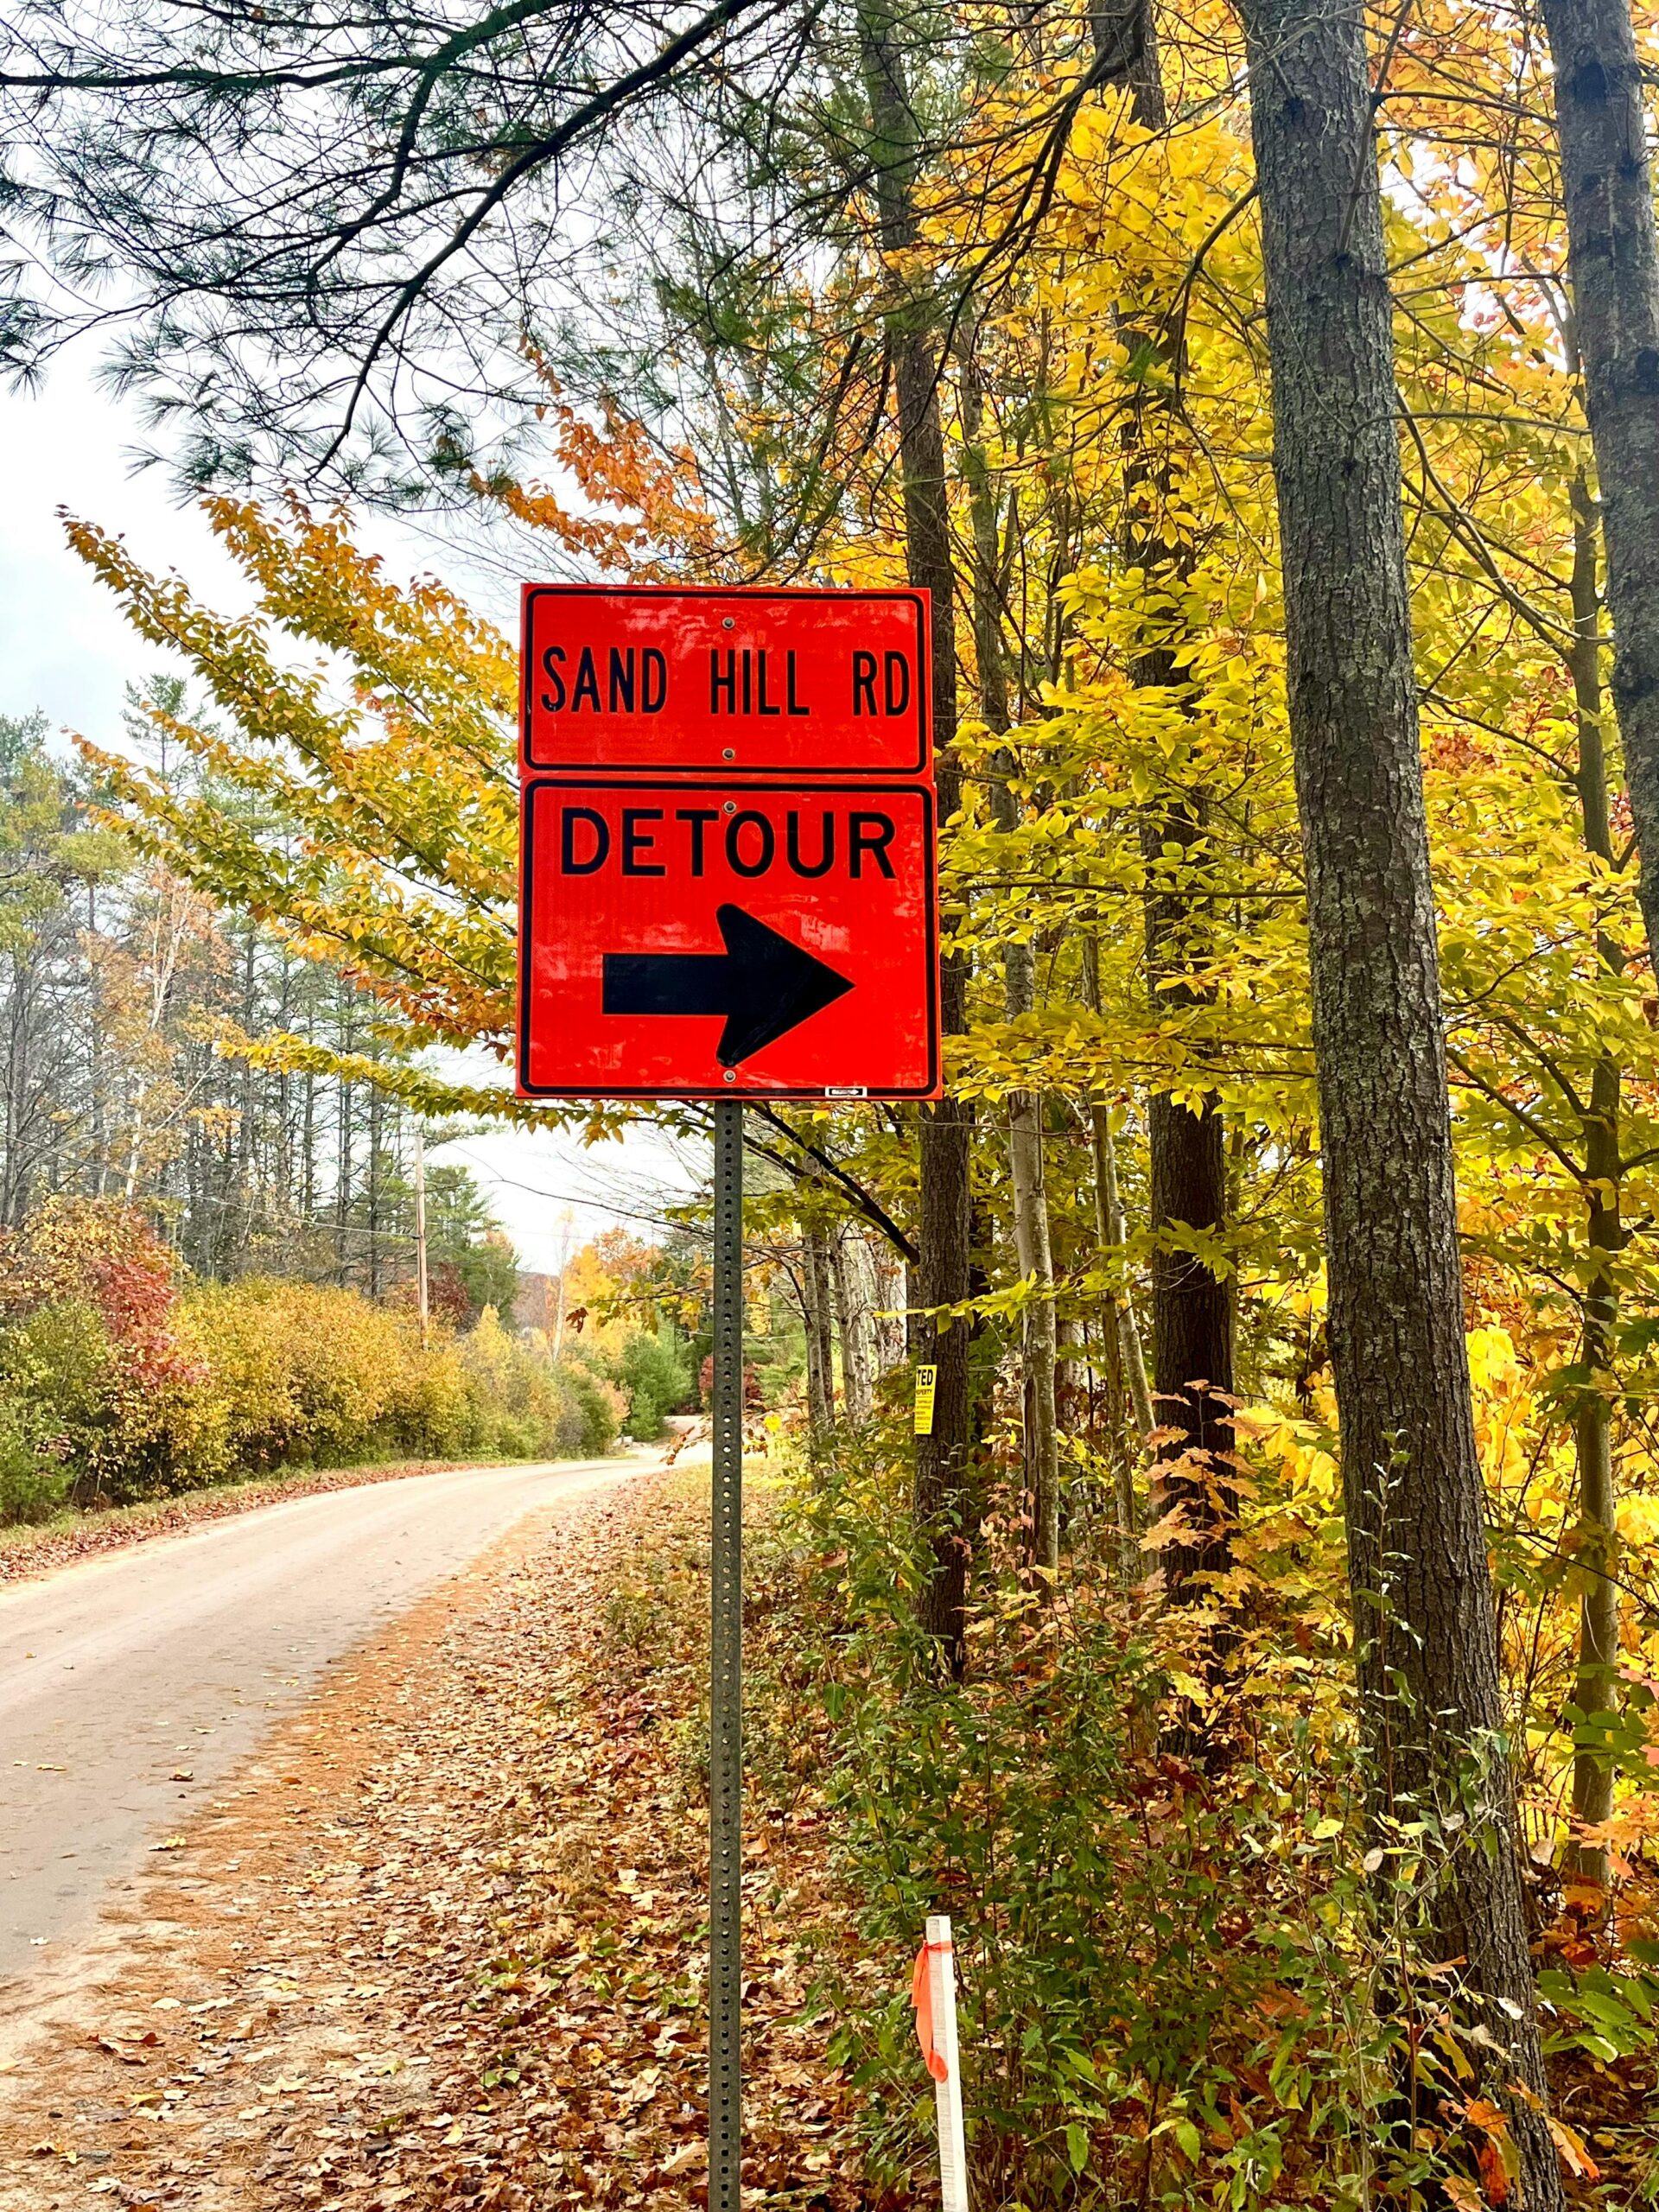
(762, 983)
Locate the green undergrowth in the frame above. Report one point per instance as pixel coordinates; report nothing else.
(1190, 1974)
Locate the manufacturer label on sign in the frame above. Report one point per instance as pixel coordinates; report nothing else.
(756, 682)
(715, 938)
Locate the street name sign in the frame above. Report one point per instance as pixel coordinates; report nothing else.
(728, 845)
(768, 682)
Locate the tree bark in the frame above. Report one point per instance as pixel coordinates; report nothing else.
(820, 1343)
(1192, 1305)
(1425, 1623)
(1596, 1686)
(1126, 51)
(853, 1276)
(1612, 245)
(942, 1493)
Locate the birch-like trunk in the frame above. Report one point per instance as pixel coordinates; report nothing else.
(1111, 1235)
(1425, 1623)
(854, 1280)
(820, 1341)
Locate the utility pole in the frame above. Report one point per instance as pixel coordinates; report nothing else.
(422, 1306)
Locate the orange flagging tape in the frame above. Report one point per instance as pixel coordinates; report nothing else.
(921, 1996)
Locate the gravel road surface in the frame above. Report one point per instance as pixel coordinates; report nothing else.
(132, 1686)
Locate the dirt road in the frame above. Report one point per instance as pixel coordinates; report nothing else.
(130, 1688)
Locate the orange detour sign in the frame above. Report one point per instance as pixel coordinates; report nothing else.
(728, 866)
(727, 892)
(711, 938)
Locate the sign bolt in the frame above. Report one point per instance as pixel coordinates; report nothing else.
(731, 1075)
(728, 754)
(731, 806)
(727, 621)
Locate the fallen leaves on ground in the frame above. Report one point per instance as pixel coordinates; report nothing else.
(462, 1962)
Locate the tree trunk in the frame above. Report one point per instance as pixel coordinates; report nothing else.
(1038, 1348)
(377, 1108)
(1191, 1310)
(1112, 1232)
(820, 1348)
(1425, 1623)
(1613, 247)
(942, 1498)
(853, 1276)
(1126, 51)
(1038, 1333)
(1110, 1236)
(1596, 1686)
(1192, 1305)
(1071, 1375)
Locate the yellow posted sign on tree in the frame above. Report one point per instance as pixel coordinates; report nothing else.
(926, 1383)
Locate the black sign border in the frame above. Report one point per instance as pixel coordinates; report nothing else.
(529, 765)
(532, 786)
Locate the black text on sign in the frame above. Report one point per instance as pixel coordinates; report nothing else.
(762, 682)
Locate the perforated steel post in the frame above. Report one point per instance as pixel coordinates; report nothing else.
(726, 1679)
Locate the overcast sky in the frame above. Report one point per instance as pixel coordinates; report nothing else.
(65, 648)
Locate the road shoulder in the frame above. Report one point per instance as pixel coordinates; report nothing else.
(28, 1553)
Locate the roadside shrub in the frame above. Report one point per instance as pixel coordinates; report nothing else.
(117, 1385)
(34, 1479)
(655, 1372)
(527, 1407)
(93, 1369)
(594, 1411)
(310, 1374)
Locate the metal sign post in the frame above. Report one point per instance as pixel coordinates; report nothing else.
(726, 1679)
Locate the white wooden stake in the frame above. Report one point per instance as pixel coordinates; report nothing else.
(947, 2094)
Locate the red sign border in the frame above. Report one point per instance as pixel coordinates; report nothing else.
(662, 772)
(727, 785)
